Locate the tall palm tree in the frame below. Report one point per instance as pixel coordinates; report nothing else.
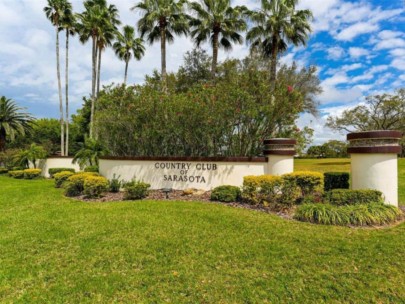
(218, 22)
(127, 46)
(55, 12)
(161, 20)
(98, 22)
(13, 121)
(277, 24)
(68, 23)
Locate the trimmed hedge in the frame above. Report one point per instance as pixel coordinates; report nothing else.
(226, 194)
(308, 181)
(62, 177)
(95, 186)
(32, 173)
(18, 174)
(3, 171)
(91, 169)
(74, 185)
(340, 197)
(53, 171)
(259, 189)
(136, 190)
(349, 215)
(336, 180)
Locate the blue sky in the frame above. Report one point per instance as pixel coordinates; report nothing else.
(358, 47)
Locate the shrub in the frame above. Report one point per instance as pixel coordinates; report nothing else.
(91, 169)
(336, 180)
(261, 189)
(357, 215)
(136, 190)
(115, 184)
(308, 182)
(341, 197)
(19, 174)
(62, 177)
(32, 173)
(53, 171)
(74, 185)
(95, 186)
(226, 194)
(3, 171)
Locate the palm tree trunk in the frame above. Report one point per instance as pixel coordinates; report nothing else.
(62, 135)
(98, 72)
(273, 64)
(126, 71)
(214, 54)
(2, 140)
(163, 53)
(67, 93)
(93, 85)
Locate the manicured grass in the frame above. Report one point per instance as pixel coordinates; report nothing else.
(343, 165)
(58, 250)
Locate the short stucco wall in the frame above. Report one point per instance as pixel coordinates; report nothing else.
(183, 173)
(57, 162)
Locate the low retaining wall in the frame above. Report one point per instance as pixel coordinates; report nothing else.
(57, 162)
(183, 172)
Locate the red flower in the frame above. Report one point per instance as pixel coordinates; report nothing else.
(290, 89)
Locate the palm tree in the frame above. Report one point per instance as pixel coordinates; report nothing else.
(55, 12)
(89, 153)
(277, 24)
(218, 22)
(161, 20)
(13, 121)
(127, 46)
(98, 22)
(68, 23)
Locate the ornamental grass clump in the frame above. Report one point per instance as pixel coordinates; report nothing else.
(371, 214)
(61, 178)
(226, 194)
(95, 186)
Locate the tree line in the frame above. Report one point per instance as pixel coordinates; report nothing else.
(274, 26)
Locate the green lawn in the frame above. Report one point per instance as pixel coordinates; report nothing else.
(57, 250)
(343, 165)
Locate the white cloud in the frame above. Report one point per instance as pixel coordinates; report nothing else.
(335, 53)
(357, 52)
(355, 30)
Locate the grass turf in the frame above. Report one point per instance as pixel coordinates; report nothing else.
(343, 165)
(58, 250)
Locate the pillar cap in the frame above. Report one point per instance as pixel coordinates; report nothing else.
(370, 142)
(388, 134)
(279, 146)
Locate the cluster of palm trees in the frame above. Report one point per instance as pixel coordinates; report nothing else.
(271, 29)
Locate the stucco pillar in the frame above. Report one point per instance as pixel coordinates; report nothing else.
(280, 153)
(374, 162)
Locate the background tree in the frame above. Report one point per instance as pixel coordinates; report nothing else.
(55, 12)
(277, 24)
(89, 153)
(330, 149)
(13, 121)
(30, 156)
(195, 70)
(218, 22)
(161, 20)
(380, 112)
(128, 46)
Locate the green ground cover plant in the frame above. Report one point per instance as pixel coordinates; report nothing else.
(59, 250)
